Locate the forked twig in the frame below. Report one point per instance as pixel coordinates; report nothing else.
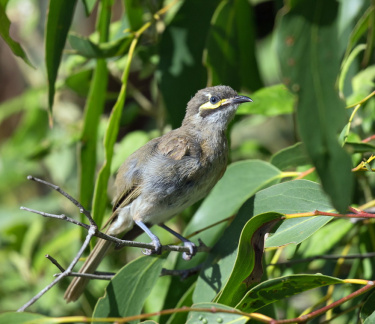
(92, 231)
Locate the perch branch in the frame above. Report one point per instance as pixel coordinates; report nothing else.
(92, 231)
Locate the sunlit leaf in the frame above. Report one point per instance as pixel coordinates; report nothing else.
(298, 196)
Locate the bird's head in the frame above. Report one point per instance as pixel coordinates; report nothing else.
(213, 106)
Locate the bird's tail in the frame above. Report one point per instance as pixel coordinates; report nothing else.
(77, 286)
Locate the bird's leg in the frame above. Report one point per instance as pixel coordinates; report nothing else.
(155, 240)
(192, 247)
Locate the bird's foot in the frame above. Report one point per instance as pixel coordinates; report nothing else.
(192, 250)
(157, 246)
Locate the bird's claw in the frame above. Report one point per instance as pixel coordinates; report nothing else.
(192, 250)
(157, 249)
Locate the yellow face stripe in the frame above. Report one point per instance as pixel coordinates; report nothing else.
(209, 105)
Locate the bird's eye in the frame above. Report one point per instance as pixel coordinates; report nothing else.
(214, 100)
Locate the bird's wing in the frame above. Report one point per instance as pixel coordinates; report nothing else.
(178, 146)
(129, 178)
(175, 147)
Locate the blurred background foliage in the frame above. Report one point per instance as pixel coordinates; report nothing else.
(95, 80)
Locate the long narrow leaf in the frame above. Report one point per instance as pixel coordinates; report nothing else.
(310, 70)
(93, 110)
(60, 15)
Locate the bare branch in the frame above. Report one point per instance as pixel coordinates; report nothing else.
(95, 275)
(64, 274)
(82, 210)
(119, 243)
(54, 261)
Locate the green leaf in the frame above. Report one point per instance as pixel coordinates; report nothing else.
(4, 33)
(307, 44)
(241, 181)
(370, 319)
(359, 147)
(280, 288)
(297, 196)
(368, 308)
(359, 30)
(290, 157)
(186, 300)
(85, 47)
(248, 268)
(346, 65)
(181, 72)
(134, 12)
(326, 238)
(89, 6)
(59, 19)
(100, 193)
(87, 151)
(214, 317)
(220, 262)
(24, 318)
(129, 288)
(363, 84)
(80, 82)
(270, 101)
(230, 55)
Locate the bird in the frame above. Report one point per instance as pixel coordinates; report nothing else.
(167, 175)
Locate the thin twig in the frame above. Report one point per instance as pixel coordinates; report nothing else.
(117, 241)
(325, 257)
(96, 275)
(87, 275)
(62, 275)
(54, 261)
(82, 210)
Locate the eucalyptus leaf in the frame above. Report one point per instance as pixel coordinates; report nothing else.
(129, 288)
(367, 311)
(216, 316)
(298, 196)
(311, 70)
(24, 318)
(290, 157)
(276, 289)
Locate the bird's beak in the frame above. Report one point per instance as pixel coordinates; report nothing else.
(241, 99)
